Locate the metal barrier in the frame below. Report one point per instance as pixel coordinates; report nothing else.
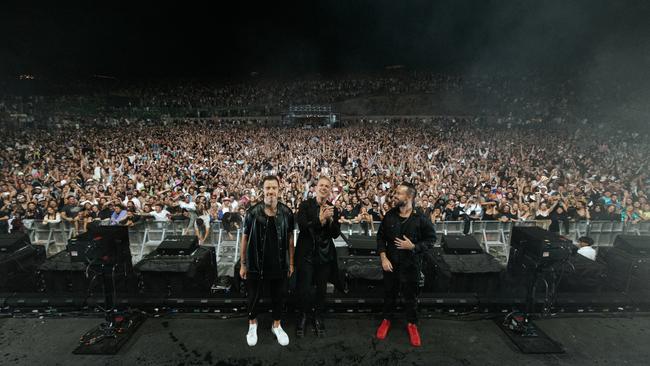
(494, 236)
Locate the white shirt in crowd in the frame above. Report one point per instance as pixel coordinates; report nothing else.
(206, 221)
(474, 207)
(191, 206)
(135, 200)
(92, 202)
(160, 216)
(588, 252)
(97, 174)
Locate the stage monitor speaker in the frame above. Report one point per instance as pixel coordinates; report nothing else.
(60, 274)
(101, 245)
(178, 245)
(538, 246)
(460, 244)
(626, 271)
(9, 243)
(634, 244)
(362, 274)
(581, 274)
(478, 273)
(178, 275)
(18, 269)
(360, 244)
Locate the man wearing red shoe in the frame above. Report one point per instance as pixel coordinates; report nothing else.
(404, 234)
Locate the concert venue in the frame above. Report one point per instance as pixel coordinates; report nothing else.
(443, 182)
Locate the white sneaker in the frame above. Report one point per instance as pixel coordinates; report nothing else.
(280, 334)
(251, 337)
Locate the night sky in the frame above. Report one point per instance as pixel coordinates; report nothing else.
(183, 38)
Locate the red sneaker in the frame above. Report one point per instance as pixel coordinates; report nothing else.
(382, 331)
(414, 335)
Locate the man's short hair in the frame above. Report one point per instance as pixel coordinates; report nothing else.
(585, 239)
(410, 189)
(326, 178)
(269, 178)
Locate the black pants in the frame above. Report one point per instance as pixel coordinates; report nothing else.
(256, 289)
(310, 275)
(393, 283)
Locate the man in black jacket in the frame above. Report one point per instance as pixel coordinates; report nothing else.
(404, 234)
(316, 261)
(267, 256)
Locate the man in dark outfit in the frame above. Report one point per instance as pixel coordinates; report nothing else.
(404, 234)
(316, 261)
(267, 257)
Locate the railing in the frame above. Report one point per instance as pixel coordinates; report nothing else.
(494, 236)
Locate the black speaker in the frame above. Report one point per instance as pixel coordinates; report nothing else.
(18, 269)
(9, 243)
(107, 245)
(479, 273)
(361, 244)
(460, 244)
(538, 246)
(362, 274)
(60, 274)
(178, 274)
(627, 271)
(634, 244)
(178, 245)
(581, 274)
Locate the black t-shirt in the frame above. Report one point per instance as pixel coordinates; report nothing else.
(71, 211)
(272, 268)
(375, 214)
(105, 213)
(348, 215)
(356, 210)
(4, 224)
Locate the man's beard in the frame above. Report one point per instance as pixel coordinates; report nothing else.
(270, 201)
(401, 204)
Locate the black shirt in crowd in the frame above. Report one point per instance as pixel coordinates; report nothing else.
(375, 215)
(105, 213)
(4, 224)
(71, 211)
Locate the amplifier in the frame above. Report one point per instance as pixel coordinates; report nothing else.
(460, 244)
(9, 243)
(634, 244)
(178, 245)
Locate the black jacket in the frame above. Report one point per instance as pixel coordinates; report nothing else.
(418, 228)
(315, 240)
(255, 229)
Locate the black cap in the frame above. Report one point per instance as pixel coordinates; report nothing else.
(585, 239)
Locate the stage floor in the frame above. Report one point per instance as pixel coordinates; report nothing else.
(198, 339)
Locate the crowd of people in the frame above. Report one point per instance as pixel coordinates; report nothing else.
(463, 169)
(398, 92)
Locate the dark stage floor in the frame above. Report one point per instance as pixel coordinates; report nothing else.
(204, 340)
